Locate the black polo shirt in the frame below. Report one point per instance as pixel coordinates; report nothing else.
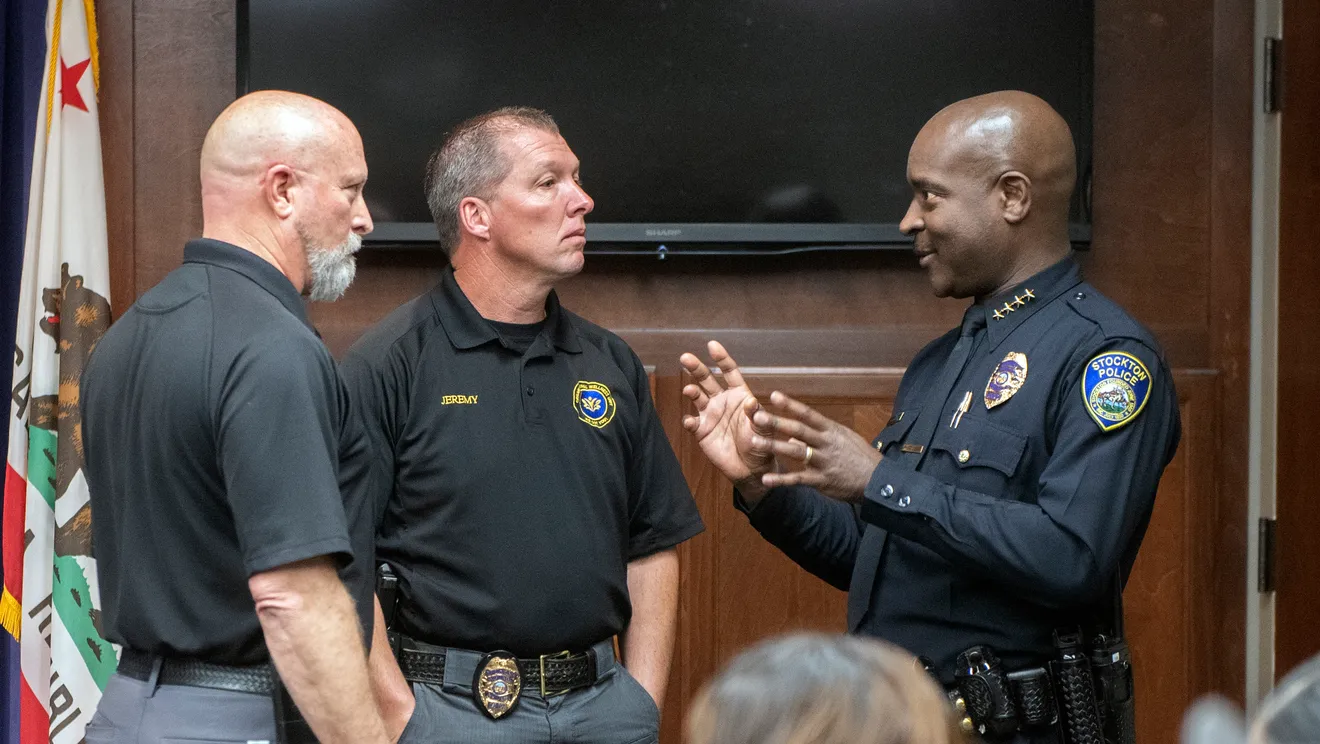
(514, 488)
(214, 421)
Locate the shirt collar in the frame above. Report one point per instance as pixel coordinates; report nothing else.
(1009, 309)
(259, 271)
(467, 329)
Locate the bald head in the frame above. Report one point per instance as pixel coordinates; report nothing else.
(997, 133)
(282, 176)
(272, 126)
(992, 177)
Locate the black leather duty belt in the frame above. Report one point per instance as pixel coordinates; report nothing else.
(259, 679)
(548, 674)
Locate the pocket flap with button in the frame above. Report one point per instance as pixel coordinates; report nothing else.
(979, 443)
(896, 429)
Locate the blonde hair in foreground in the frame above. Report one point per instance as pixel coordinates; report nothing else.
(822, 689)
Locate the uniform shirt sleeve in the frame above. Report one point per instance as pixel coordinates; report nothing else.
(278, 449)
(1094, 496)
(818, 534)
(663, 513)
(373, 391)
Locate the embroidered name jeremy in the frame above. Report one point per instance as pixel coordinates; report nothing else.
(458, 400)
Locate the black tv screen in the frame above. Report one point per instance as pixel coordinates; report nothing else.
(743, 121)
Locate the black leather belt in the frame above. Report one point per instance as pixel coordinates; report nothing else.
(259, 679)
(548, 674)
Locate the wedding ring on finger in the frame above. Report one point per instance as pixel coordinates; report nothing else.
(806, 460)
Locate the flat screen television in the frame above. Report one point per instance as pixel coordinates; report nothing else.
(770, 124)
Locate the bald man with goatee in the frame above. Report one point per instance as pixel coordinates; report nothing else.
(990, 526)
(232, 568)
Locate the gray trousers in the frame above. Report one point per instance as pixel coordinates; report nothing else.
(133, 711)
(615, 710)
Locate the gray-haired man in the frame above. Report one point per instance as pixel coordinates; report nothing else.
(528, 499)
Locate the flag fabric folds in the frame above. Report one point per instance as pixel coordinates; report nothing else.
(49, 603)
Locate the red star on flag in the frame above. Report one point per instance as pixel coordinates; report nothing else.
(69, 77)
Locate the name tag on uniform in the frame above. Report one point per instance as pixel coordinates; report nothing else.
(915, 449)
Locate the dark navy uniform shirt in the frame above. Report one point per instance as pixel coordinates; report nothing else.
(1009, 512)
(514, 483)
(214, 426)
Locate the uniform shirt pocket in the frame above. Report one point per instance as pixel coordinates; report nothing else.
(892, 435)
(978, 455)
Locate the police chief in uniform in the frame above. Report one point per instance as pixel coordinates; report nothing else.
(214, 422)
(1009, 492)
(529, 501)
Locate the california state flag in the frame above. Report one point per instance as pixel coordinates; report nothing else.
(50, 602)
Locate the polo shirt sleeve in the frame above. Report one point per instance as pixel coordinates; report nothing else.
(663, 513)
(374, 389)
(278, 450)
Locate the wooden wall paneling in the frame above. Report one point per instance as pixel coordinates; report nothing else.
(384, 281)
(1223, 627)
(1168, 595)
(800, 293)
(184, 69)
(1172, 236)
(1297, 615)
(737, 588)
(887, 344)
(1152, 107)
(114, 22)
(694, 657)
(667, 393)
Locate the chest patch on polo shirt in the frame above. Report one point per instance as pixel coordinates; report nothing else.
(1115, 387)
(594, 403)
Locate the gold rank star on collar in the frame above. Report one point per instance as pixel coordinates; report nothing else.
(1012, 305)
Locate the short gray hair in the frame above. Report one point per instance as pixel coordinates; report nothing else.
(811, 687)
(470, 162)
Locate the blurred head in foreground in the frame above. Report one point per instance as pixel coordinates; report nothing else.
(822, 689)
(1291, 713)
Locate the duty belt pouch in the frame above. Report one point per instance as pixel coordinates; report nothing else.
(1079, 715)
(1035, 698)
(1111, 662)
(290, 726)
(984, 689)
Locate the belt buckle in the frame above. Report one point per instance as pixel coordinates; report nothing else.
(497, 684)
(547, 692)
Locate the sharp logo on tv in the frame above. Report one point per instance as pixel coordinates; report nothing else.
(671, 233)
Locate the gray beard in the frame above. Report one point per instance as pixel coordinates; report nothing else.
(332, 269)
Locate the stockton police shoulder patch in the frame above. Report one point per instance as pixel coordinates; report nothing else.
(593, 403)
(1115, 387)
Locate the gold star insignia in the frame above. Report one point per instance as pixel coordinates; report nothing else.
(1017, 301)
(998, 315)
(1030, 295)
(1008, 308)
